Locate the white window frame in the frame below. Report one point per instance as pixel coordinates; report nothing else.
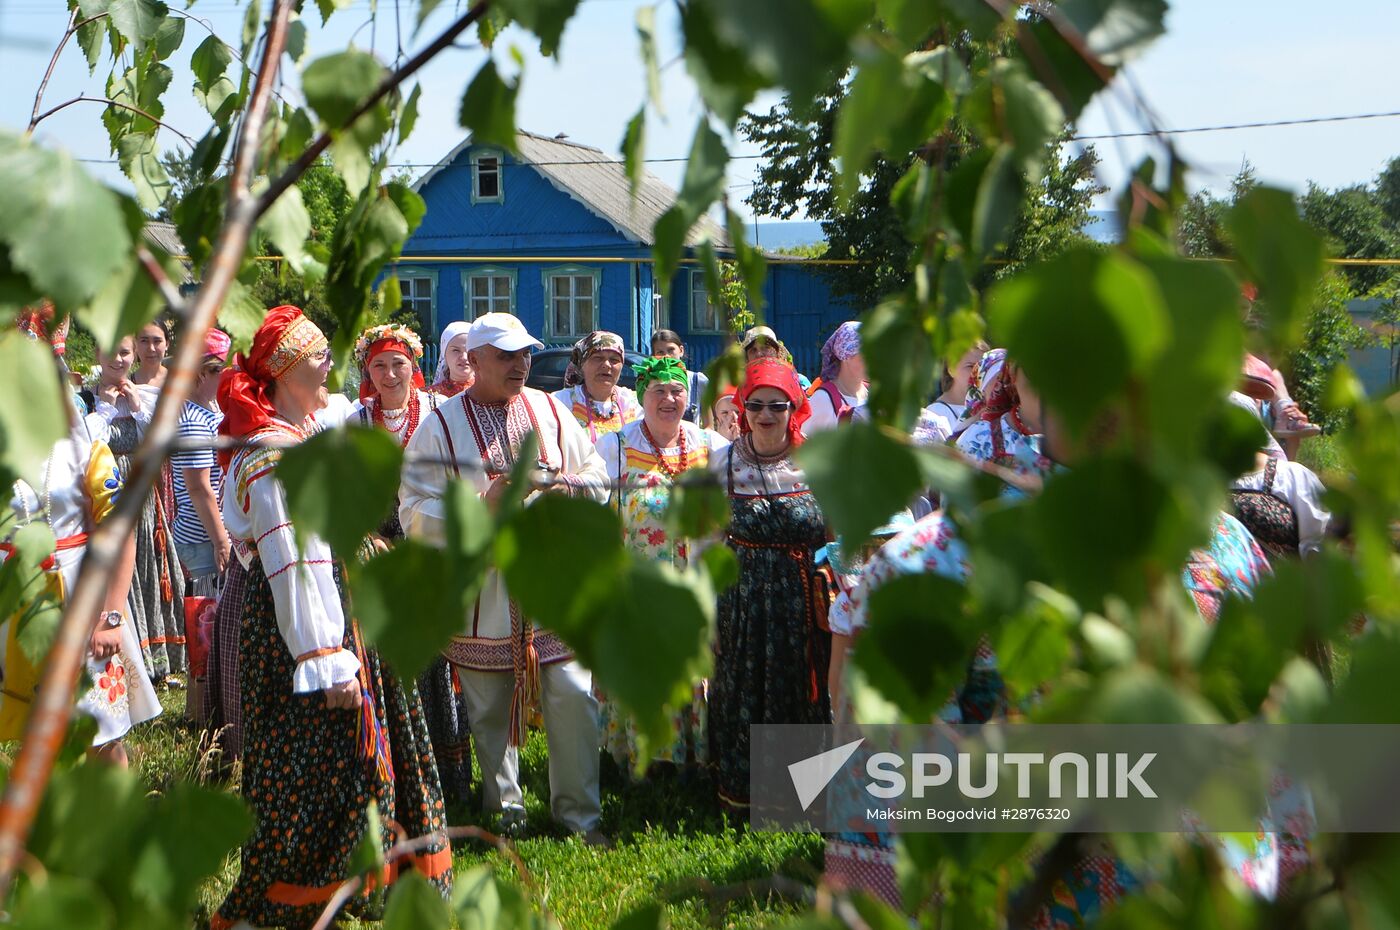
(697, 287)
(409, 273)
(487, 272)
(571, 271)
(477, 157)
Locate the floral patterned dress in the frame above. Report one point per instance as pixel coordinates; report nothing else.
(771, 657)
(642, 475)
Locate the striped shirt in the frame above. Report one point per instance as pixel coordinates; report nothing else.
(201, 423)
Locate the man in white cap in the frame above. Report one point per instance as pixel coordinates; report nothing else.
(503, 660)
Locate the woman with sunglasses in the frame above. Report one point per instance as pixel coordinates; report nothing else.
(770, 653)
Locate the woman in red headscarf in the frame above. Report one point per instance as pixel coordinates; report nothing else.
(326, 727)
(770, 653)
(392, 398)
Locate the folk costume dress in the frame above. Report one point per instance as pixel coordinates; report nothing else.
(78, 489)
(157, 593)
(642, 474)
(771, 654)
(599, 418)
(503, 660)
(309, 772)
(444, 705)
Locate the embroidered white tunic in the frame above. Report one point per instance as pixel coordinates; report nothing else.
(302, 577)
(484, 440)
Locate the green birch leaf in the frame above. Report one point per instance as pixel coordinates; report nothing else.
(252, 23)
(341, 484)
(128, 301)
(335, 85)
(916, 649)
(1115, 30)
(140, 161)
(1084, 304)
(409, 119)
(29, 430)
(634, 150)
(723, 75)
(288, 224)
(1281, 254)
(296, 41)
(545, 18)
(416, 905)
(169, 35)
(51, 210)
(488, 108)
(241, 315)
(425, 9)
(482, 901)
(800, 44)
(137, 21)
(871, 106)
(646, 34)
(90, 36)
(859, 449)
(411, 577)
(63, 901)
(328, 7)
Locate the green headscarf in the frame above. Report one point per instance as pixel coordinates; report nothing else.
(660, 371)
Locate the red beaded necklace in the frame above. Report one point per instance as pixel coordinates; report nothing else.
(403, 433)
(661, 462)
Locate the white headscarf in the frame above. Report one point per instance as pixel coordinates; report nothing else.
(452, 331)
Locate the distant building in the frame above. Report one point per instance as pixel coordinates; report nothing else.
(553, 235)
(1375, 365)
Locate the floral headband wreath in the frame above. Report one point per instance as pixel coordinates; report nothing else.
(374, 338)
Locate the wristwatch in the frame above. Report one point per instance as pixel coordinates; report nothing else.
(113, 618)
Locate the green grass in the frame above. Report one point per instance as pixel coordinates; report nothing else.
(671, 841)
(1324, 455)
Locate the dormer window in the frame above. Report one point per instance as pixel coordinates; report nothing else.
(486, 177)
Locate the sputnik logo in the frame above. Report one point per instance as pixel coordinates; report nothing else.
(813, 774)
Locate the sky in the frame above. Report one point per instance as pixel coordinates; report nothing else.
(1221, 62)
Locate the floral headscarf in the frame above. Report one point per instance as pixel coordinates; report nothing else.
(597, 341)
(660, 371)
(769, 372)
(840, 345)
(376, 341)
(986, 373)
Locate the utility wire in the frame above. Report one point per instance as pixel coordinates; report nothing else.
(1230, 127)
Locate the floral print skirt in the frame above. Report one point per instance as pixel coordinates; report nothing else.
(310, 785)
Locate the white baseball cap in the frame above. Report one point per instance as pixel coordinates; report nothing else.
(502, 330)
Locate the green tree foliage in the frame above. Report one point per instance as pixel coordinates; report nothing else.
(798, 174)
(944, 148)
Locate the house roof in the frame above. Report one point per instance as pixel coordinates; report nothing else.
(599, 182)
(164, 237)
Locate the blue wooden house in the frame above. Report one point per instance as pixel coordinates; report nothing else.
(552, 234)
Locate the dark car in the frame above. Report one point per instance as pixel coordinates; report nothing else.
(547, 369)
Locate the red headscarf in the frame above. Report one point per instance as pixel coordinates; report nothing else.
(379, 347)
(284, 339)
(769, 372)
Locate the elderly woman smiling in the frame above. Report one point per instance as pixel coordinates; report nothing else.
(591, 391)
(643, 459)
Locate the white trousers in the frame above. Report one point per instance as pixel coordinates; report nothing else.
(571, 725)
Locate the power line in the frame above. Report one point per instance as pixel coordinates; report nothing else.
(1229, 127)
(1233, 126)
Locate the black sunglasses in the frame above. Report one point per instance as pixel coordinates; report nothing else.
(777, 406)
